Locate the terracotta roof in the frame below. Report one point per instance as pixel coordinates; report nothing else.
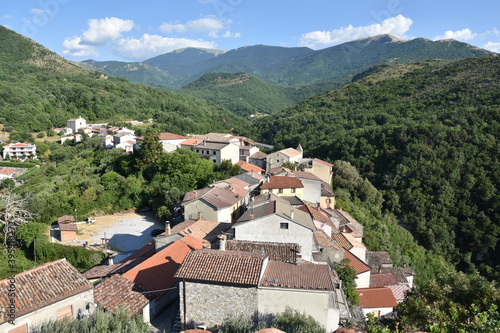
(382, 280)
(258, 156)
(290, 152)
(190, 142)
(68, 227)
(171, 136)
(231, 267)
(101, 271)
(279, 171)
(401, 273)
(378, 259)
(232, 181)
(323, 240)
(218, 197)
(201, 229)
(42, 286)
(285, 252)
(304, 276)
(245, 166)
(317, 214)
(326, 190)
(306, 175)
(157, 272)
(356, 263)
(342, 241)
(6, 171)
(323, 162)
(270, 330)
(282, 182)
(399, 291)
(116, 292)
(376, 298)
(66, 218)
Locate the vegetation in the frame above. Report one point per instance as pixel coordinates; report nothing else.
(39, 91)
(98, 322)
(427, 135)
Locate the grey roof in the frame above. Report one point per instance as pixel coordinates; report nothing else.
(210, 145)
(258, 155)
(285, 252)
(247, 178)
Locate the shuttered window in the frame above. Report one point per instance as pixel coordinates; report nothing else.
(64, 312)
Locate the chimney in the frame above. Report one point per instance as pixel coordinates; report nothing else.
(167, 229)
(111, 260)
(292, 214)
(199, 216)
(222, 242)
(299, 259)
(251, 217)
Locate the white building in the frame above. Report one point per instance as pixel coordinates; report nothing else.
(19, 150)
(76, 123)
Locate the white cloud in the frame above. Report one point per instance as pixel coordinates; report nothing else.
(38, 11)
(462, 35)
(211, 26)
(152, 45)
(73, 47)
(491, 46)
(397, 25)
(105, 30)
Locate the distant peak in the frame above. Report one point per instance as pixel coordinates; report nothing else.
(387, 38)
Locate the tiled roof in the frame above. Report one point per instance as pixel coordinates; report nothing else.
(201, 229)
(255, 175)
(248, 178)
(101, 271)
(66, 218)
(290, 152)
(399, 291)
(323, 162)
(323, 240)
(245, 166)
(401, 273)
(304, 276)
(157, 272)
(282, 182)
(232, 181)
(68, 227)
(294, 201)
(382, 280)
(377, 259)
(285, 252)
(306, 175)
(231, 267)
(5, 171)
(258, 156)
(345, 217)
(342, 241)
(191, 142)
(171, 136)
(317, 214)
(326, 190)
(218, 197)
(116, 292)
(356, 263)
(270, 330)
(376, 298)
(280, 171)
(42, 286)
(211, 145)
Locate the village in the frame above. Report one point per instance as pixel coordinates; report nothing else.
(258, 242)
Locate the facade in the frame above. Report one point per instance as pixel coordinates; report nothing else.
(19, 150)
(67, 231)
(51, 291)
(283, 186)
(277, 159)
(363, 272)
(379, 301)
(312, 186)
(218, 151)
(319, 168)
(76, 124)
(258, 159)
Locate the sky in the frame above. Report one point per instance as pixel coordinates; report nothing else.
(129, 30)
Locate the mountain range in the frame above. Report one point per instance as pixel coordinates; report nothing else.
(285, 66)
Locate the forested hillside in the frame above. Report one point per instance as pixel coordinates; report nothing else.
(427, 135)
(40, 90)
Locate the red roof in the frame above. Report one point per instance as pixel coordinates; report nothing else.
(356, 263)
(282, 182)
(157, 273)
(249, 167)
(42, 286)
(382, 280)
(191, 142)
(376, 298)
(323, 162)
(304, 276)
(6, 171)
(171, 136)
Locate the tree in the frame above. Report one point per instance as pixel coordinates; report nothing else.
(40, 135)
(151, 150)
(13, 213)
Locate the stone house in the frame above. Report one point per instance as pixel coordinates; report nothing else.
(51, 291)
(258, 159)
(217, 283)
(277, 159)
(276, 221)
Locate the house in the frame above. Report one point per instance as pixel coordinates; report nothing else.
(64, 130)
(362, 270)
(76, 124)
(68, 231)
(327, 200)
(217, 151)
(7, 173)
(326, 249)
(276, 221)
(404, 275)
(283, 186)
(121, 138)
(284, 252)
(379, 301)
(171, 141)
(319, 168)
(277, 159)
(258, 159)
(312, 186)
(215, 204)
(51, 291)
(320, 219)
(247, 167)
(351, 244)
(380, 280)
(117, 292)
(19, 150)
(156, 274)
(190, 143)
(217, 283)
(246, 151)
(378, 259)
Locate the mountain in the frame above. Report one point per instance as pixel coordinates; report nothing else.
(244, 94)
(301, 66)
(428, 135)
(40, 90)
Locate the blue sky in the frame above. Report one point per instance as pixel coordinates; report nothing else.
(138, 30)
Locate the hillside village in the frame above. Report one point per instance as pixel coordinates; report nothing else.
(259, 242)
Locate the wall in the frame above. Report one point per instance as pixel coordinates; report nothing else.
(68, 236)
(78, 302)
(363, 280)
(311, 190)
(321, 305)
(208, 304)
(230, 152)
(267, 229)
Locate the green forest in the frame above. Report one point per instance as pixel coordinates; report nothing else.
(427, 136)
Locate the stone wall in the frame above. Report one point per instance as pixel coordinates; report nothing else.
(208, 304)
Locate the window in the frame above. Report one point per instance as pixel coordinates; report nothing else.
(214, 152)
(280, 190)
(64, 312)
(284, 226)
(292, 190)
(20, 329)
